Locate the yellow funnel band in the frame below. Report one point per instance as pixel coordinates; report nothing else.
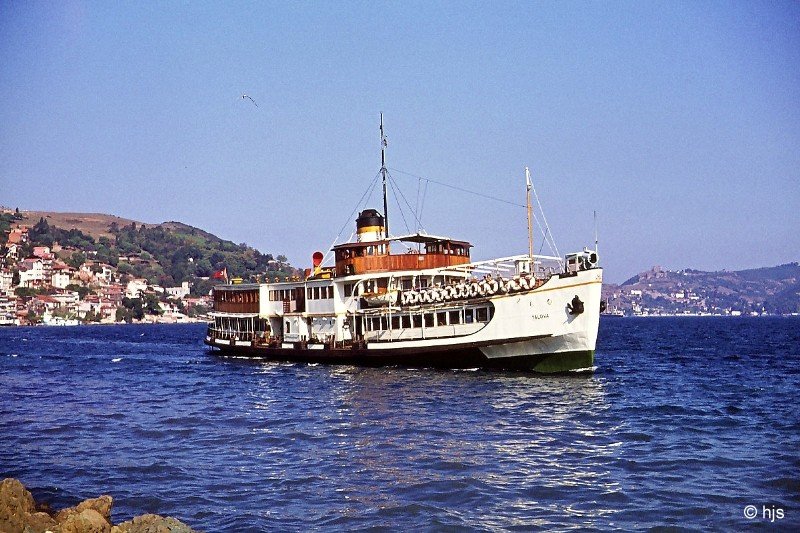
(370, 229)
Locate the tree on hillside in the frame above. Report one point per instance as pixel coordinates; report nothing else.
(33, 318)
(201, 287)
(217, 260)
(5, 227)
(25, 292)
(203, 268)
(106, 255)
(91, 316)
(76, 259)
(40, 233)
(82, 290)
(151, 304)
(133, 309)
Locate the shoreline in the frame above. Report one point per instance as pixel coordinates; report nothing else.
(139, 323)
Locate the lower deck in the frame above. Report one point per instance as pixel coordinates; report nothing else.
(377, 325)
(455, 357)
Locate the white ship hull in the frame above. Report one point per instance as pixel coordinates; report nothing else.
(535, 329)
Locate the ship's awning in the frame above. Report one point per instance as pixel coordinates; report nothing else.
(236, 287)
(233, 315)
(424, 238)
(420, 238)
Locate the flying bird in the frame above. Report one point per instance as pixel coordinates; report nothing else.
(254, 102)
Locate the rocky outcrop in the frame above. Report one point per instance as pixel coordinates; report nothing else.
(151, 523)
(19, 514)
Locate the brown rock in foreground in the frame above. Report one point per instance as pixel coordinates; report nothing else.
(151, 523)
(102, 505)
(18, 514)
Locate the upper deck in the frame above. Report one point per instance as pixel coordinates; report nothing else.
(421, 252)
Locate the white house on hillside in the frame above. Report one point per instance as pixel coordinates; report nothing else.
(179, 292)
(6, 277)
(135, 288)
(62, 276)
(31, 273)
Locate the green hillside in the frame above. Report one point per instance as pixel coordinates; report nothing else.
(166, 254)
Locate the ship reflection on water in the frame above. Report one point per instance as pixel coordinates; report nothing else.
(471, 447)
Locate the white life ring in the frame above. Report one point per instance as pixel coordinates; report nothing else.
(483, 288)
(463, 291)
(473, 289)
(492, 286)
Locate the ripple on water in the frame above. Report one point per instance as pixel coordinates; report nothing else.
(682, 424)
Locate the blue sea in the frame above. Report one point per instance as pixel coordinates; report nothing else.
(686, 422)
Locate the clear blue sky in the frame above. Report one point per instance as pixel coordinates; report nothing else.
(679, 122)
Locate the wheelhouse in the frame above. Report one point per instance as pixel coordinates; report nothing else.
(419, 252)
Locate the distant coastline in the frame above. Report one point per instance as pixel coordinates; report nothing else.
(97, 268)
(195, 320)
(772, 291)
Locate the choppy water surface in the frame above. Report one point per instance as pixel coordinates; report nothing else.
(684, 423)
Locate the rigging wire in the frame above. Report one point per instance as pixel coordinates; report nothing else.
(552, 242)
(422, 204)
(397, 195)
(476, 193)
(416, 209)
(543, 227)
(367, 194)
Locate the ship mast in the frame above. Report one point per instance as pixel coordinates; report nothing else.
(383, 175)
(528, 186)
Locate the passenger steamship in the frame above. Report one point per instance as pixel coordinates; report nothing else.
(418, 300)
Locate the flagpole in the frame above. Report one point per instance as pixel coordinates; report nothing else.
(528, 186)
(383, 175)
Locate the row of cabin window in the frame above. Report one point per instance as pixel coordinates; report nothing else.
(241, 324)
(281, 295)
(313, 293)
(361, 251)
(238, 297)
(405, 284)
(319, 293)
(431, 320)
(368, 286)
(441, 248)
